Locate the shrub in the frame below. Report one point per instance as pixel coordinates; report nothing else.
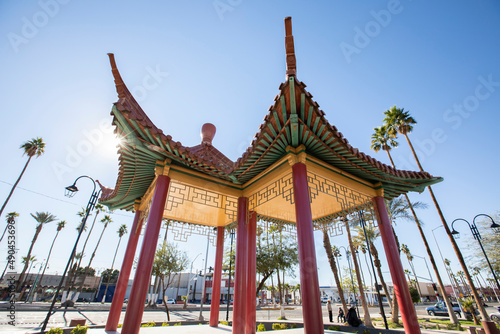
(224, 323)
(284, 326)
(120, 325)
(293, 325)
(79, 330)
(149, 324)
(177, 324)
(276, 327)
(165, 324)
(55, 331)
(282, 318)
(334, 328)
(261, 328)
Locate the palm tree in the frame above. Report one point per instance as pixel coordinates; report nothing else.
(468, 305)
(98, 208)
(42, 218)
(11, 216)
(397, 209)
(409, 257)
(29, 261)
(333, 265)
(366, 312)
(106, 221)
(31, 148)
(60, 226)
(122, 230)
(372, 233)
(399, 121)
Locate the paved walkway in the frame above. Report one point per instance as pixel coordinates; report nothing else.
(196, 329)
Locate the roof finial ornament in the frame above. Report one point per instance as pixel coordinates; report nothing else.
(207, 133)
(291, 63)
(120, 86)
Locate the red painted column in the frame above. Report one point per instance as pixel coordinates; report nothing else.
(121, 286)
(240, 275)
(251, 318)
(408, 313)
(216, 282)
(135, 307)
(309, 284)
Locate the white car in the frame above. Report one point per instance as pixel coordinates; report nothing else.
(495, 317)
(170, 301)
(324, 300)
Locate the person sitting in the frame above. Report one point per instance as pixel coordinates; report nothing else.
(352, 318)
(341, 316)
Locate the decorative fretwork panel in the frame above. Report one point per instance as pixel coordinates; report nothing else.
(348, 199)
(179, 194)
(182, 231)
(282, 187)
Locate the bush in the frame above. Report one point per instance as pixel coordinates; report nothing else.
(334, 328)
(282, 318)
(120, 325)
(55, 331)
(165, 324)
(149, 324)
(276, 327)
(79, 330)
(261, 328)
(224, 323)
(293, 326)
(284, 326)
(177, 324)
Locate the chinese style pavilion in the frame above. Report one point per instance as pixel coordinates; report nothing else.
(299, 170)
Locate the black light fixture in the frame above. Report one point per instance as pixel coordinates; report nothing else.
(70, 192)
(477, 236)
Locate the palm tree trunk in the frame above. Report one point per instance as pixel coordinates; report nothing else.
(92, 257)
(28, 256)
(333, 266)
(453, 316)
(87, 239)
(5, 230)
(376, 262)
(112, 264)
(477, 299)
(366, 312)
(48, 257)
(15, 185)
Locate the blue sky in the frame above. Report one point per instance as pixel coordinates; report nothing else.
(222, 62)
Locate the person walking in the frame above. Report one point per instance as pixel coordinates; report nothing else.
(329, 308)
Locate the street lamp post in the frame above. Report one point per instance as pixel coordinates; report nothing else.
(444, 264)
(381, 306)
(203, 291)
(352, 280)
(229, 280)
(190, 271)
(477, 236)
(33, 289)
(70, 192)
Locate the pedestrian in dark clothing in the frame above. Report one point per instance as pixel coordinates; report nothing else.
(352, 318)
(341, 316)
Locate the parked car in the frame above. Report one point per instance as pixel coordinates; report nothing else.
(324, 300)
(440, 309)
(495, 316)
(169, 301)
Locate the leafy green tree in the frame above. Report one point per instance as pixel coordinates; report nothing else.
(169, 259)
(33, 147)
(281, 253)
(41, 218)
